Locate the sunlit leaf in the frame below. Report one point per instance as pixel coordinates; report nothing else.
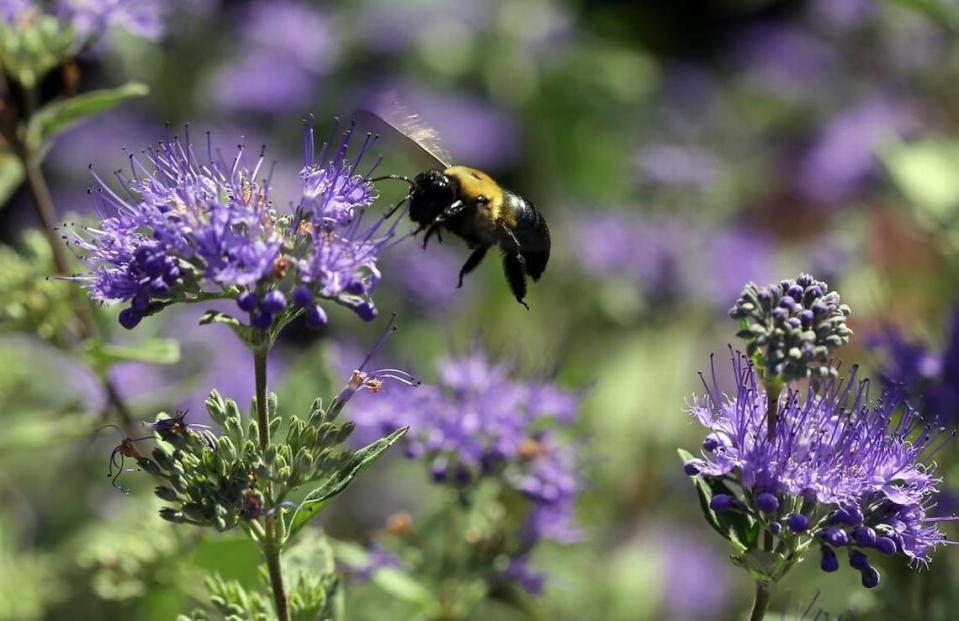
(152, 351)
(61, 114)
(315, 500)
(11, 176)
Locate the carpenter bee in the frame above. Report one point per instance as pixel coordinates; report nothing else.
(471, 205)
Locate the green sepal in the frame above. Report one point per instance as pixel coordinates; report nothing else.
(60, 115)
(339, 481)
(101, 356)
(765, 567)
(739, 529)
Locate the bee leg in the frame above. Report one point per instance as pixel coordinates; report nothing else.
(514, 266)
(471, 263)
(433, 229)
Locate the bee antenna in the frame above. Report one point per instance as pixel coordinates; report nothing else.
(396, 177)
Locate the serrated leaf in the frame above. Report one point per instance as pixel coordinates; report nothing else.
(315, 500)
(738, 528)
(102, 356)
(11, 176)
(61, 114)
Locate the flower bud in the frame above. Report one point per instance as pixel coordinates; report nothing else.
(798, 523)
(274, 302)
(767, 503)
(870, 577)
(829, 562)
(886, 545)
(722, 502)
(247, 301)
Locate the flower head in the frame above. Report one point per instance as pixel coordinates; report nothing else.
(187, 227)
(838, 469)
(792, 326)
(480, 423)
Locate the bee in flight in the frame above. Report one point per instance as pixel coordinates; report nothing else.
(469, 204)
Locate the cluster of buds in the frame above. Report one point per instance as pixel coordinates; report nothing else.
(226, 480)
(790, 328)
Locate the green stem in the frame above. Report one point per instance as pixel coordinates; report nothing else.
(86, 325)
(270, 544)
(760, 603)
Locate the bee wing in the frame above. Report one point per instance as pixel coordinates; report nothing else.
(389, 111)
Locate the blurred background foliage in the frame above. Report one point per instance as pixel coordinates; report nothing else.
(677, 150)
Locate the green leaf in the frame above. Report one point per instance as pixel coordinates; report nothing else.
(247, 334)
(339, 481)
(59, 115)
(925, 173)
(11, 175)
(392, 580)
(943, 12)
(102, 356)
(738, 528)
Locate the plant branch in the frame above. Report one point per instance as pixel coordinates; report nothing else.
(760, 603)
(270, 544)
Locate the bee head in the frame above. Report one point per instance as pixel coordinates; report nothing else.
(433, 191)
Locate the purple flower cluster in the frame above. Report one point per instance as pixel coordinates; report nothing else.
(185, 228)
(479, 422)
(931, 377)
(837, 470)
(665, 257)
(287, 45)
(90, 18)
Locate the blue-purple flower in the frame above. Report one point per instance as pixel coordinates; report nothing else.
(190, 223)
(931, 377)
(838, 470)
(479, 423)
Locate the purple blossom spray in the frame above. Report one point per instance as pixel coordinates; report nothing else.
(785, 470)
(189, 224)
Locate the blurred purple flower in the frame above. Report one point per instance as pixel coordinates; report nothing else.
(377, 558)
(843, 13)
(13, 10)
(842, 160)
(294, 29)
(426, 279)
(689, 91)
(474, 130)
(784, 59)
(677, 165)
(731, 257)
(929, 376)
(690, 566)
(261, 81)
(391, 27)
(649, 251)
(143, 18)
(521, 573)
(284, 47)
(479, 421)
